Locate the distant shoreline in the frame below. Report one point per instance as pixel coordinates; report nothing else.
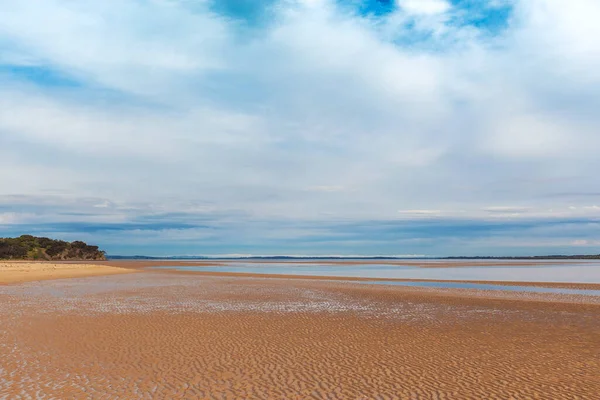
(192, 258)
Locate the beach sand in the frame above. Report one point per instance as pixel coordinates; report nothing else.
(165, 335)
(23, 271)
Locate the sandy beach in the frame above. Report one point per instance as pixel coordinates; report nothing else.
(300, 199)
(167, 335)
(14, 272)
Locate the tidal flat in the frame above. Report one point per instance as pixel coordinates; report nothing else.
(170, 334)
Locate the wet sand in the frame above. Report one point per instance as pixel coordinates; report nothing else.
(169, 335)
(14, 272)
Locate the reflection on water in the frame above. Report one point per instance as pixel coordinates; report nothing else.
(483, 286)
(576, 272)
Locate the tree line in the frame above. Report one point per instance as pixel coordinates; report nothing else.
(28, 247)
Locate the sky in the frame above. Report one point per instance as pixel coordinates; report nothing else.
(302, 127)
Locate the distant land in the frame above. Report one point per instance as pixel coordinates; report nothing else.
(114, 257)
(551, 257)
(548, 257)
(27, 247)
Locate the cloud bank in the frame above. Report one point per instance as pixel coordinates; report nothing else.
(303, 126)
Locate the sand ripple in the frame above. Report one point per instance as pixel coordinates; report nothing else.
(167, 336)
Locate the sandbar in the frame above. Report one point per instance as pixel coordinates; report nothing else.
(22, 271)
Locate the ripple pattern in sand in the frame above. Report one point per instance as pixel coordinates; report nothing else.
(166, 336)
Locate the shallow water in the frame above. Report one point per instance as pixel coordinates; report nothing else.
(576, 272)
(483, 286)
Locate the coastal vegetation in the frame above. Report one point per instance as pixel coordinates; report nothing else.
(28, 247)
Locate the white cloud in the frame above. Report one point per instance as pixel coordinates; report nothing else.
(425, 7)
(585, 243)
(12, 218)
(563, 34)
(327, 188)
(420, 212)
(320, 112)
(528, 136)
(149, 49)
(506, 210)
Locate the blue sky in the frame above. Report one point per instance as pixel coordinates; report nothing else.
(429, 127)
